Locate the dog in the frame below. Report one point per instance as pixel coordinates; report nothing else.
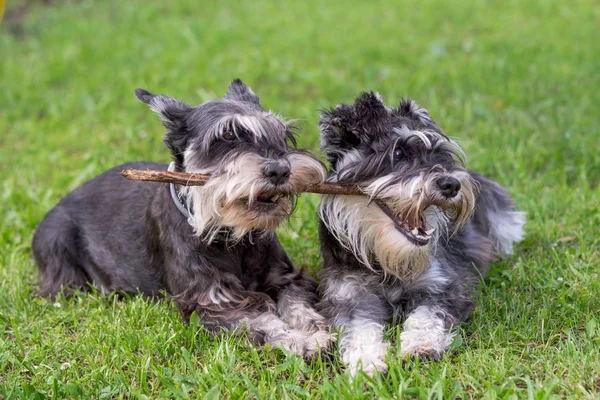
(212, 248)
(417, 245)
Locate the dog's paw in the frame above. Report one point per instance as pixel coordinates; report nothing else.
(424, 352)
(318, 342)
(306, 345)
(305, 318)
(368, 357)
(424, 344)
(290, 341)
(370, 369)
(425, 334)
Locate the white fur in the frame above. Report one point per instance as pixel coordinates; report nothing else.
(433, 280)
(279, 334)
(299, 315)
(306, 169)
(242, 179)
(362, 347)
(364, 229)
(506, 228)
(424, 333)
(348, 287)
(257, 124)
(367, 232)
(405, 133)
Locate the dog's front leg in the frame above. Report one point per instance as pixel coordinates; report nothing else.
(224, 305)
(295, 294)
(360, 313)
(426, 333)
(433, 314)
(295, 306)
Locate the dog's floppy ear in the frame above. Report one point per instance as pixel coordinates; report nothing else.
(345, 127)
(337, 136)
(240, 92)
(370, 110)
(173, 114)
(409, 109)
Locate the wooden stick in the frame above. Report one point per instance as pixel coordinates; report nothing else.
(186, 179)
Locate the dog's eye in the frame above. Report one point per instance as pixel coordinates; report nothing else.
(228, 135)
(397, 155)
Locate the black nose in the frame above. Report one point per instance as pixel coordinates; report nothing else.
(277, 172)
(449, 186)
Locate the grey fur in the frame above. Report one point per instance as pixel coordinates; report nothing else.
(401, 154)
(120, 235)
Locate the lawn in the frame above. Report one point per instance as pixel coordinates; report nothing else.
(516, 82)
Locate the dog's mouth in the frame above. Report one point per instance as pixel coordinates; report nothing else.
(267, 201)
(416, 233)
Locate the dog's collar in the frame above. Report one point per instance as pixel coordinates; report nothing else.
(178, 201)
(221, 236)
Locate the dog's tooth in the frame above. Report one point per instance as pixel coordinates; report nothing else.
(415, 231)
(430, 231)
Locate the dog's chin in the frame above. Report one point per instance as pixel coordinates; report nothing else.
(417, 233)
(266, 212)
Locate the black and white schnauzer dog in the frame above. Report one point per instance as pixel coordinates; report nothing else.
(418, 245)
(212, 248)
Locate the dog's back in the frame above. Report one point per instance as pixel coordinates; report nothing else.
(108, 212)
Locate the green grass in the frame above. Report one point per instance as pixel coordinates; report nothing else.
(515, 81)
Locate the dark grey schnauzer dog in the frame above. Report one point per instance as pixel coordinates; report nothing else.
(417, 248)
(212, 248)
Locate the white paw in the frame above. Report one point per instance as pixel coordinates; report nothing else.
(290, 340)
(368, 357)
(425, 335)
(319, 341)
(305, 344)
(304, 318)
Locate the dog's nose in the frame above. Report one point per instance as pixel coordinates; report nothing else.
(449, 186)
(277, 172)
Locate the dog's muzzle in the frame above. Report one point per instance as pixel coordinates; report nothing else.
(416, 232)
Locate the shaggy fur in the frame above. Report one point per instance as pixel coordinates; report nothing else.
(224, 262)
(418, 245)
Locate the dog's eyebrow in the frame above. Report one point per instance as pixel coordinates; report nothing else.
(406, 133)
(260, 127)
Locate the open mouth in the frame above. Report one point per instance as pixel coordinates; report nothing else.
(266, 201)
(415, 233)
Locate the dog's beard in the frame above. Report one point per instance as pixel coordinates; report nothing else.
(399, 226)
(239, 197)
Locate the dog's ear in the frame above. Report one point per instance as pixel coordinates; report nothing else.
(409, 109)
(337, 137)
(240, 92)
(345, 127)
(370, 109)
(173, 114)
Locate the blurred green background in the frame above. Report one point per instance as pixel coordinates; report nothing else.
(515, 82)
